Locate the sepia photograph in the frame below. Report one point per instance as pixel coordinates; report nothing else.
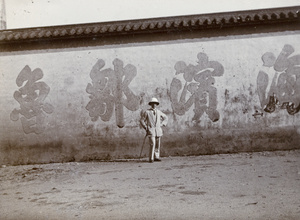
(149, 110)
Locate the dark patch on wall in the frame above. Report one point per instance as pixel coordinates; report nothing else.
(31, 98)
(161, 93)
(110, 91)
(35, 153)
(198, 142)
(220, 141)
(69, 81)
(198, 88)
(226, 96)
(284, 92)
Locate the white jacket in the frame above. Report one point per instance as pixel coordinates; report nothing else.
(152, 123)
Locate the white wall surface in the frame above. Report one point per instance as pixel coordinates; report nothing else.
(68, 132)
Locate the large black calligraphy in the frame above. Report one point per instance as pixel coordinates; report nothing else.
(110, 91)
(31, 98)
(284, 88)
(198, 89)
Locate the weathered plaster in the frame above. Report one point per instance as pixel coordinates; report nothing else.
(221, 94)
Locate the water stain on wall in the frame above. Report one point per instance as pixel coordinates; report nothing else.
(198, 89)
(31, 98)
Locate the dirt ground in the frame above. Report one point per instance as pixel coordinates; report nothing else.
(264, 185)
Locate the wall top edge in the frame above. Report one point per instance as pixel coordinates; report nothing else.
(149, 26)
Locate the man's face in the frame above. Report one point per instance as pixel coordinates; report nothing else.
(153, 105)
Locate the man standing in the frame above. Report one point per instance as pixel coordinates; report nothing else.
(152, 120)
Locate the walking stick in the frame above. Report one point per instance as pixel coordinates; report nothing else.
(143, 146)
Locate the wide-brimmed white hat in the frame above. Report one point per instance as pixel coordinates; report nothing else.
(154, 100)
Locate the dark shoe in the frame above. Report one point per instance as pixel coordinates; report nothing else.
(150, 161)
(156, 159)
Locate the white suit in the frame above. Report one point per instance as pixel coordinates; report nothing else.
(151, 121)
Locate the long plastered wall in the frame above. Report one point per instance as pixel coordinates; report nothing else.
(221, 95)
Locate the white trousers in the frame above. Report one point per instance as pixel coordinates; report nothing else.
(154, 148)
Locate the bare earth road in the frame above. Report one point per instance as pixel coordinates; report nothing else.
(263, 185)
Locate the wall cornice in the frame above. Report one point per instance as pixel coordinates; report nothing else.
(216, 21)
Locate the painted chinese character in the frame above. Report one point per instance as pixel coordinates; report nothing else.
(31, 98)
(198, 89)
(281, 85)
(110, 91)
